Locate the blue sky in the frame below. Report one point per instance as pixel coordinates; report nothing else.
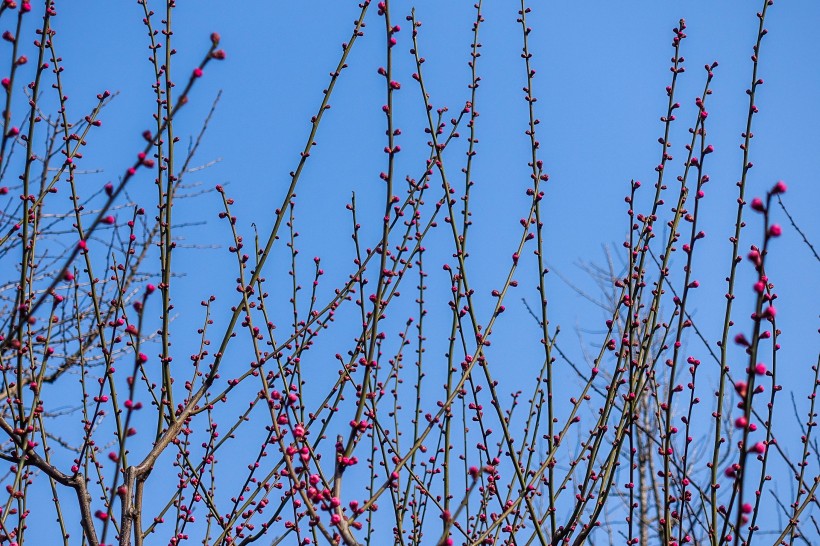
(601, 68)
(601, 72)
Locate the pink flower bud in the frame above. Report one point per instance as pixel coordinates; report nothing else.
(780, 187)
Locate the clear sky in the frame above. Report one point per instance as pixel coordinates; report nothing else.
(602, 68)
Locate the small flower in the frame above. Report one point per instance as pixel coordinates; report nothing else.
(219, 55)
(754, 256)
(780, 187)
(215, 37)
(757, 204)
(775, 230)
(740, 387)
(197, 72)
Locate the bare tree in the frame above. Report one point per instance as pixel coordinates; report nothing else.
(313, 412)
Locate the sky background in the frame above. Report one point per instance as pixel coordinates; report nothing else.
(602, 69)
(601, 72)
